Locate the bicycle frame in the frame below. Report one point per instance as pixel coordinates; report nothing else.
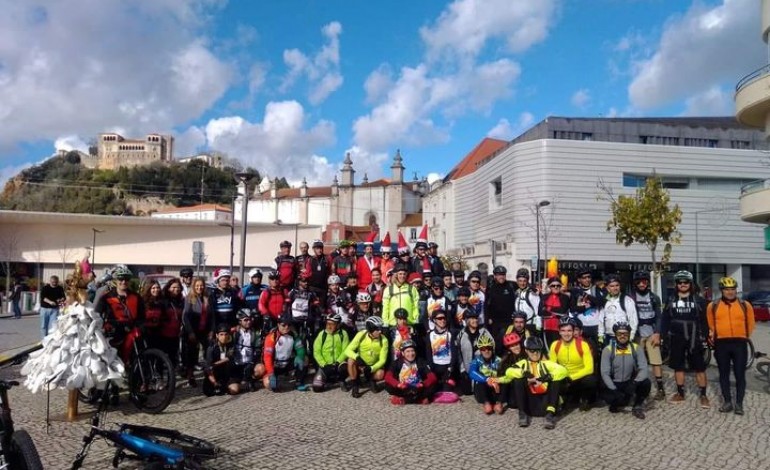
(6, 422)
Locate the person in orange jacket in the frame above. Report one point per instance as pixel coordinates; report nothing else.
(731, 322)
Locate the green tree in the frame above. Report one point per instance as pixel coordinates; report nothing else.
(645, 217)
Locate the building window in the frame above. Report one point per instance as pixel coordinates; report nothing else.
(633, 181)
(569, 135)
(740, 144)
(496, 194)
(413, 234)
(658, 140)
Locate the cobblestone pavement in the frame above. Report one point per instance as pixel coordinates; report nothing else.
(334, 431)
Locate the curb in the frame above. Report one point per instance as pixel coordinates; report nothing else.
(11, 354)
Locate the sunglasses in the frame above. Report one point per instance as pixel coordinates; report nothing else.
(555, 286)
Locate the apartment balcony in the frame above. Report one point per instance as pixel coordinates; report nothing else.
(752, 99)
(755, 202)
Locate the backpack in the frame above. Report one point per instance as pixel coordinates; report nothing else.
(390, 291)
(742, 303)
(578, 343)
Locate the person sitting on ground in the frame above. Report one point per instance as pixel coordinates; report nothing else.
(400, 333)
(484, 374)
(367, 354)
(218, 365)
(513, 354)
(246, 369)
(409, 379)
(284, 353)
(441, 351)
(467, 346)
(624, 372)
(329, 353)
(575, 355)
(519, 325)
(536, 383)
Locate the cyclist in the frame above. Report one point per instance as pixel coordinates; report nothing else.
(462, 306)
(587, 301)
(459, 276)
(648, 308)
(121, 309)
(320, 269)
(247, 344)
(477, 297)
(536, 383)
(450, 289)
(618, 307)
(437, 266)
(400, 294)
(272, 302)
(343, 264)
(624, 372)
(367, 354)
(339, 301)
(171, 321)
(575, 355)
(386, 257)
(421, 262)
(400, 333)
(304, 306)
(519, 325)
(467, 346)
(684, 325)
(329, 354)
(253, 290)
(441, 351)
(437, 300)
(286, 266)
(365, 264)
(501, 301)
(218, 365)
(513, 354)
(527, 300)
(731, 322)
(375, 290)
(362, 311)
(483, 371)
(284, 353)
(154, 310)
(303, 260)
(553, 306)
(409, 379)
(224, 300)
(186, 275)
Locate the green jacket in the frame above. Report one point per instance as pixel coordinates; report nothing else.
(538, 369)
(404, 296)
(374, 353)
(330, 348)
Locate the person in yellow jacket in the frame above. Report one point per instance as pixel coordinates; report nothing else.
(400, 294)
(329, 353)
(367, 354)
(731, 322)
(575, 355)
(536, 383)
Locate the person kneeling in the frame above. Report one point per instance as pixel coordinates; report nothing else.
(536, 383)
(219, 357)
(367, 354)
(624, 372)
(246, 369)
(575, 355)
(329, 353)
(483, 373)
(284, 353)
(409, 379)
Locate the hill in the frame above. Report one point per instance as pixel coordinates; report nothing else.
(63, 184)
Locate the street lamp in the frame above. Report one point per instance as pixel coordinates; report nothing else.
(540, 204)
(243, 178)
(93, 247)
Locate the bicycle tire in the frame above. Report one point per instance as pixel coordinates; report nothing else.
(190, 445)
(764, 369)
(90, 396)
(157, 365)
(24, 454)
(751, 352)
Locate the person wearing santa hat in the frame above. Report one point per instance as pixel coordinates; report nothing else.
(387, 262)
(366, 263)
(421, 263)
(403, 253)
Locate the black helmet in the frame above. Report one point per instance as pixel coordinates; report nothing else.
(318, 244)
(610, 278)
(463, 291)
(522, 272)
(567, 321)
(223, 328)
(185, 272)
(471, 313)
(520, 314)
(446, 274)
(243, 313)
(459, 274)
(436, 282)
(533, 343)
(475, 274)
(641, 275)
(621, 325)
(285, 244)
(432, 245)
(499, 270)
(401, 313)
(273, 275)
(406, 344)
(583, 271)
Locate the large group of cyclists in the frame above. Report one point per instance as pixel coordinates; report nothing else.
(401, 321)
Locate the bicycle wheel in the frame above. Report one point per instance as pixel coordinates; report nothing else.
(190, 445)
(706, 355)
(664, 352)
(152, 381)
(751, 351)
(24, 455)
(89, 396)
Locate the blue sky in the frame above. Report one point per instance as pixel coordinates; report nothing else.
(289, 87)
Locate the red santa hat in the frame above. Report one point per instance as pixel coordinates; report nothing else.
(385, 246)
(403, 247)
(370, 239)
(422, 240)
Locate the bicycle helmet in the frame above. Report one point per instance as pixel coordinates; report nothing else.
(401, 313)
(577, 323)
(610, 278)
(641, 276)
(223, 328)
(373, 324)
(567, 321)
(683, 276)
(471, 313)
(243, 313)
(122, 272)
(728, 283)
(254, 272)
(436, 282)
(273, 275)
(499, 270)
(363, 298)
(522, 273)
(621, 325)
(406, 344)
(533, 343)
(485, 342)
(285, 244)
(185, 272)
(511, 339)
(318, 244)
(333, 279)
(474, 275)
(335, 317)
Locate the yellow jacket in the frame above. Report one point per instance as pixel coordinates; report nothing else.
(578, 365)
(538, 369)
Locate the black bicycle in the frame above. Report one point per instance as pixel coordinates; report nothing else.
(708, 351)
(17, 450)
(157, 448)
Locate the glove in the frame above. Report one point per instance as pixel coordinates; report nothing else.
(402, 386)
(546, 378)
(601, 340)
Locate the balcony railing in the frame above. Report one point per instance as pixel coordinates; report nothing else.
(761, 72)
(755, 186)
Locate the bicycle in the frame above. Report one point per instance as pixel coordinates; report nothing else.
(17, 449)
(157, 448)
(763, 368)
(708, 351)
(150, 373)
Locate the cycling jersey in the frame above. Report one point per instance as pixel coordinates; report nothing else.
(575, 356)
(618, 309)
(286, 266)
(528, 301)
(329, 348)
(280, 350)
(250, 295)
(340, 303)
(303, 304)
(648, 312)
(224, 303)
(125, 311)
(374, 352)
(342, 266)
(398, 335)
(320, 268)
(441, 348)
(400, 296)
(537, 369)
(272, 303)
(481, 369)
(246, 343)
(410, 373)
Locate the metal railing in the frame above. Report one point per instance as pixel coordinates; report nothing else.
(755, 186)
(760, 72)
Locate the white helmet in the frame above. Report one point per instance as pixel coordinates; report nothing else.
(253, 272)
(333, 279)
(363, 297)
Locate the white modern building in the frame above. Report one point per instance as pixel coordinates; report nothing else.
(210, 212)
(560, 164)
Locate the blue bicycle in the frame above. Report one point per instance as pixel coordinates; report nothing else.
(156, 448)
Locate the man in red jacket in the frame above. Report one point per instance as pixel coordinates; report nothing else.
(272, 301)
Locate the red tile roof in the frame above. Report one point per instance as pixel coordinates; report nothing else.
(480, 154)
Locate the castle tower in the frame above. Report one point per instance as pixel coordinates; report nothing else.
(397, 169)
(346, 190)
(394, 210)
(347, 171)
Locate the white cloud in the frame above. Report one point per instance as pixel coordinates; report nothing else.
(713, 102)
(321, 71)
(378, 83)
(152, 73)
(581, 98)
(707, 46)
(505, 130)
(69, 143)
(189, 142)
(433, 177)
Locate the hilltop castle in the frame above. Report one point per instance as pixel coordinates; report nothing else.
(114, 151)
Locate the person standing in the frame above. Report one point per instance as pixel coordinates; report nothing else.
(286, 266)
(648, 308)
(196, 323)
(731, 322)
(51, 298)
(186, 276)
(367, 263)
(501, 303)
(16, 298)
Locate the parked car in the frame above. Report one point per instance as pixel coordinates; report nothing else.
(760, 300)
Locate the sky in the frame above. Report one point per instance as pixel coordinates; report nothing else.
(290, 87)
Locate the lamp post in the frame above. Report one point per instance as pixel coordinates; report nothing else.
(243, 178)
(93, 246)
(540, 204)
